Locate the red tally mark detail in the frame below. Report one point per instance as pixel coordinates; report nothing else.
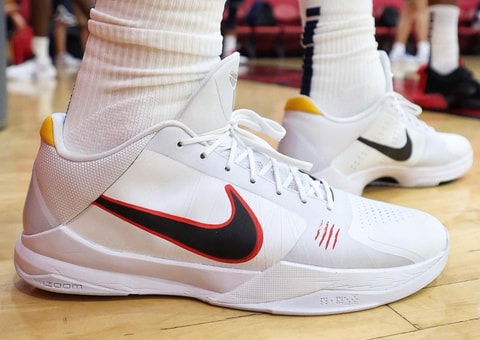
(327, 235)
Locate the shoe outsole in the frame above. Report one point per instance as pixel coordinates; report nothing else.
(71, 245)
(399, 176)
(337, 291)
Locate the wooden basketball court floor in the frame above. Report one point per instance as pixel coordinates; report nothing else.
(448, 308)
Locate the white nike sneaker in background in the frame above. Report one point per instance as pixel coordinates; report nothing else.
(66, 61)
(387, 142)
(32, 70)
(405, 65)
(200, 207)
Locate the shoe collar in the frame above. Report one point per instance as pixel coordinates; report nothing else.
(210, 108)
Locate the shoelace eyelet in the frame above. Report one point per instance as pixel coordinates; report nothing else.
(243, 146)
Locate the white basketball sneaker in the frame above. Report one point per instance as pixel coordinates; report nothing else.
(386, 141)
(200, 207)
(32, 69)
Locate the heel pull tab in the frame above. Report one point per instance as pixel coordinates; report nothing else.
(302, 103)
(46, 131)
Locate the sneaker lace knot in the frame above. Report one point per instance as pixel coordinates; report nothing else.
(408, 111)
(240, 144)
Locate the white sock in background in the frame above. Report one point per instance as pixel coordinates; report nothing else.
(347, 73)
(398, 50)
(40, 48)
(143, 60)
(444, 46)
(229, 44)
(423, 51)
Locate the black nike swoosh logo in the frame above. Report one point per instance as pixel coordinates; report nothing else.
(236, 240)
(398, 154)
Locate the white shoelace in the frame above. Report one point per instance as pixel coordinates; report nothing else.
(244, 145)
(407, 110)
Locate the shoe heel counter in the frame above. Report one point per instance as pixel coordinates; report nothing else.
(65, 183)
(302, 104)
(301, 121)
(36, 215)
(295, 143)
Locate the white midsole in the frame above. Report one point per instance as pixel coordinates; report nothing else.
(285, 288)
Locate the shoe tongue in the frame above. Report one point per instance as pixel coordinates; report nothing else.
(211, 106)
(387, 69)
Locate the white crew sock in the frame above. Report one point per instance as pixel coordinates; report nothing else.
(398, 50)
(347, 73)
(40, 48)
(423, 51)
(444, 46)
(143, 60)
(229, 44)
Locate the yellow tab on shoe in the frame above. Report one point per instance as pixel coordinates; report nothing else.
(46, 131)
(302, 103)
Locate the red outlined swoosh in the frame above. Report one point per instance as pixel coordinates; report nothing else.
(236, 240)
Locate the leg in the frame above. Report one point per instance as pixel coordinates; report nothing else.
(41, 67)
(350, 123)
(152, 91)
(82, 12)
(447, 85)
(342, 70)
(404, 26)
(421, 31)
(64, 18)
(166, 193)
(444, 36)
(414, 12)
